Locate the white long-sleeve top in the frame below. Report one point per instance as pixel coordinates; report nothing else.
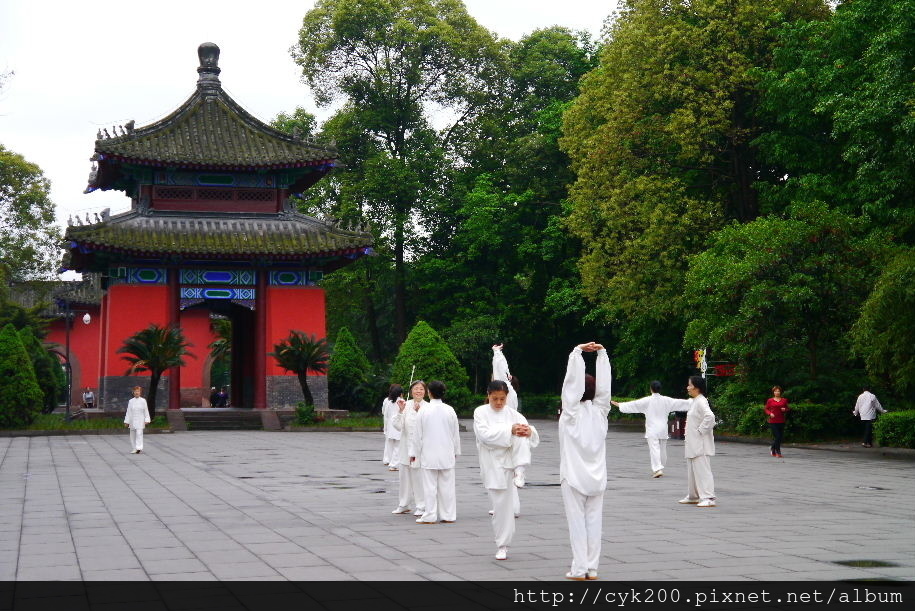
(137, 415)
(493, 430)
(500, 372)
(583, 426)
(388, 410)
(405, 422)
(655, 407)
(867, 406)
(700, 426)
(436, 438)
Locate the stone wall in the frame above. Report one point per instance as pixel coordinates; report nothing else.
(285, 391)
(116, 391)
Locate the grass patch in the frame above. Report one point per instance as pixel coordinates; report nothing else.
(354, 420)
(56, 422)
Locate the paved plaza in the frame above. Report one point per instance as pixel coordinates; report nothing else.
(254, 505)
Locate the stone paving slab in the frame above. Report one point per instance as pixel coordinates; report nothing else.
(316, 506)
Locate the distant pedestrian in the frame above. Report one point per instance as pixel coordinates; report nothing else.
(214, 397)
(777, 409)
(866, 408)
(88, 399)
(222, 398)
(436, 444)
(699, 446)
(136, 419)
(656, 408)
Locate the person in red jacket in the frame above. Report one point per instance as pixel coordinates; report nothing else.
(776, 409)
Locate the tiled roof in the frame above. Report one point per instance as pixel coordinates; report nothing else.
(289, 235)
(211, 130)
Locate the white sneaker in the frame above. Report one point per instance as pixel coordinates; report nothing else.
(402, 510)
(419, 512)
(658, 473)
(688, 501)
(574, 577)
(133, 451)
(491, 512)
(502, 554)
(706, 503)
(592, 574)
(518, 480)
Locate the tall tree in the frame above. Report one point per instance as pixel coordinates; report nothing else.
(155, 349)
(348, 375)
(48, 372)
(28, 235)
(301, 353)
(392, 61)
(20, 395)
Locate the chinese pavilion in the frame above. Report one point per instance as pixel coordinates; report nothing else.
(211, 232)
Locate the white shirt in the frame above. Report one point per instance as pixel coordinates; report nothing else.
(867, 406)
(493, 430)
(388, 410)
(500, 372)
(405, 422)
(583, 426)
(436, 440)
(700, 426)
(656, 407)
(137, 415)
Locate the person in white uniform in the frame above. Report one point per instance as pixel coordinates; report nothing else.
(136, 418)
(699, 445)
(500, 372)
(656, 407)
(866, 408)
(500, 432)
(583, 456)
(436, 444)
(411, 477)
(391, 434)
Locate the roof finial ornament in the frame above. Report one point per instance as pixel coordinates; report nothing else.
(209, 70)
(98, 135)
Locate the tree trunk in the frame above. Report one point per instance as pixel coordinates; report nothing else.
(400, 297)
(306, 392)
(151, 393)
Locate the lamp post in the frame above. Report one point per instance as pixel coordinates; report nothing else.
(68, 320)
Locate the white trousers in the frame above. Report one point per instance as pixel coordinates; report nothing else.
(391, 452)
(503, 518)
(411, 488)
(521, 451)
(441, 504)
(701, 484)
(585, 517)
(657, 449)
(136, 439)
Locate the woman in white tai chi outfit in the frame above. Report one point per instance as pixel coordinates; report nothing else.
(136, 418)
(411, 477)
(656, 407)
(700, 444)
(504, 440)
(436, 444)
(500, 372)
(583, 456)
(391, 434)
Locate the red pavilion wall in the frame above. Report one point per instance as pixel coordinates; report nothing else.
(195, 323)
(84, 350)
(302, 309)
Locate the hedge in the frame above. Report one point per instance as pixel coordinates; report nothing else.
(896, 429)
(805, 422)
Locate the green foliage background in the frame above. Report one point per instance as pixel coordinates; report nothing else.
(348, 375)
(21, 398)
(425, 350)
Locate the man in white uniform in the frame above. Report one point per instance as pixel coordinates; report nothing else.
(501, 432)
(583, 456)
(866, 408)
(656, 407)
(136, 418)
(436, 443)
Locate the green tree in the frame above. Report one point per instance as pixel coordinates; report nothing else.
(884, 334)
(839, 99)
(428, 357)
(28, 235)
(20, 395)
(155, 349)
(778, 296)
(348, 374)
(391, 61)
(299, 123)
(48, 372)
(301, 353)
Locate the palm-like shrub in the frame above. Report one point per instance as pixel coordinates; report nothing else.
(433, 360)
(300, 353)
(155, 349)
(20, 396)
(348, 374)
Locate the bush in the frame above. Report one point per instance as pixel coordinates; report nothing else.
(896, 429)
(542, 406)
(305, 413)
(348, 374)
(433, 359)
(48, 372)
(805, 422)
(21, 398)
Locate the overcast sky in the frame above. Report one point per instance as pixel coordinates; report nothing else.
(81, 66)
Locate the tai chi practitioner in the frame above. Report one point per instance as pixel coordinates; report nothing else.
(656, 407)
(699, 446)
(436, 444)
(583, 456)
(500, 372)
(411, 477)
(391, 434)
(136, 418)
(504, 438)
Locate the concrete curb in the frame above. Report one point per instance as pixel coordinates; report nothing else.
(61, 432)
